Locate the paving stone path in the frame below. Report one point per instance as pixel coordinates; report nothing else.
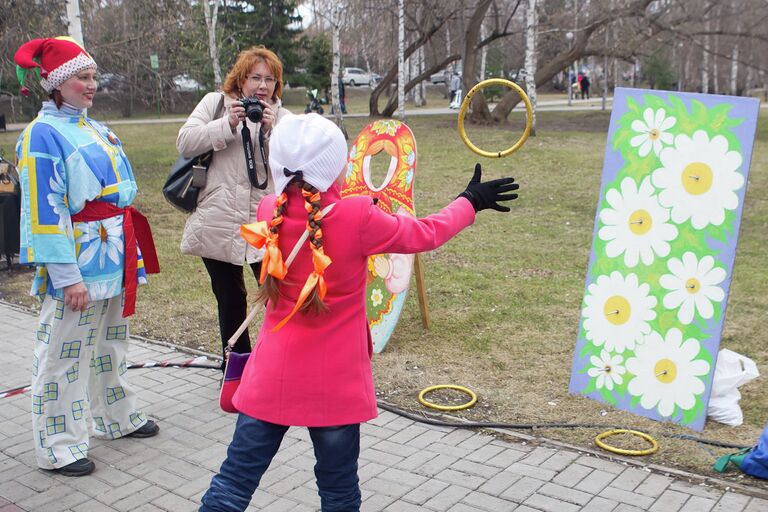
(405, 466)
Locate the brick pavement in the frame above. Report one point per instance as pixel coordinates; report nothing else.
(404, 466)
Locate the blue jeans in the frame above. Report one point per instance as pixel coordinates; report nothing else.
(255, 443)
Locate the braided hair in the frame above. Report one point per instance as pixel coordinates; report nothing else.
(269, 291)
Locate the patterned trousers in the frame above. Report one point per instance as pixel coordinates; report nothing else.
(80, 363)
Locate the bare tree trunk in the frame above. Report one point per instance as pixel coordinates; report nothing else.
(73, 21)
(705, 63)
(401, 59)
(423, 83)
(484, 52)
(531, 23)
(605, 75)
(335, 14)
(211, 18)
(735, 69)
(715, 59)
(415, 68)
(480, 110)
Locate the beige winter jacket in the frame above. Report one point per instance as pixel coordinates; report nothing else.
(228, 199)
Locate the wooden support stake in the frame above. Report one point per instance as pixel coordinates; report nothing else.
(421, 289)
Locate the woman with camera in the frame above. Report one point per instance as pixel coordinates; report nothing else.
(236, 121)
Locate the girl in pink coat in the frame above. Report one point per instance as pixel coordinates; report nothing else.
(311, 365)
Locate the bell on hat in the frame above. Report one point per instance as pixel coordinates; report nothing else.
(54, 59)
(308, 143)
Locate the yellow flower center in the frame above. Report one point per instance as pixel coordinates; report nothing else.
(654, 134)
(102, 233)
(640, 222)
(617, 309)
(697, 178)
(692, 285)
(665, 370)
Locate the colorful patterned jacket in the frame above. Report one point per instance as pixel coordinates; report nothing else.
(66, 159)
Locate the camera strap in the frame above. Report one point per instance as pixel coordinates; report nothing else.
(250, 161)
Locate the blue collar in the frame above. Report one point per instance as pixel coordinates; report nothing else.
(66, 110)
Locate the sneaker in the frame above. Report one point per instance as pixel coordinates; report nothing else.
(80, 467)
(149, 429)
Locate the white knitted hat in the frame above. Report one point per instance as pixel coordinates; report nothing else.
(308, 143)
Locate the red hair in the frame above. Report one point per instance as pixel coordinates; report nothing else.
(244, 64)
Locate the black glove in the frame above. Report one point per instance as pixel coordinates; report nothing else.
(488, 194)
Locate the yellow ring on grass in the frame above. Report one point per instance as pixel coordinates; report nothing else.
(528, 121)
(654, 445)
(472, 398)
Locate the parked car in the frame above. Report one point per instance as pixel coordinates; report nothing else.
(441, 77)
(186, 83)
(355, 76)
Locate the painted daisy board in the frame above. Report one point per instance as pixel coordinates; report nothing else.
(666, 227)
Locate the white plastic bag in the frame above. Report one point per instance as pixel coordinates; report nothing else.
(731, 371)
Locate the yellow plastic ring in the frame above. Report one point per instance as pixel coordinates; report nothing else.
(653, 449)
(472, 398)
(465, 107)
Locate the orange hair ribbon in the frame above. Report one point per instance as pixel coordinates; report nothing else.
(320, 262)
(261, 234)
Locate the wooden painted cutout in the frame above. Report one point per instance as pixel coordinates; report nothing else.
(389, 275)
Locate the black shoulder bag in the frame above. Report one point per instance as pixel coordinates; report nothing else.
(187, 176)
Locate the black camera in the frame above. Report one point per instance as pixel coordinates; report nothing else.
(254, 110)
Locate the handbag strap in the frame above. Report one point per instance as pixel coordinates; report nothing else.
(219, 107)
(291, 257)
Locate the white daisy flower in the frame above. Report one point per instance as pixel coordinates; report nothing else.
(101, 290)
(653, 131)
(104, 239)
(607, 369)
(666, 372)
(699, 178)
(617, 311)
(376, 296)
(694, 286)
(57, 199)
(635, 223)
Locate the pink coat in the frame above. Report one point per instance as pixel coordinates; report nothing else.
(316, 370)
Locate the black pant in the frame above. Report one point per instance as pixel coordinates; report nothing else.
(228, 286)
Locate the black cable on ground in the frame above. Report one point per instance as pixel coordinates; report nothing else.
(432, 421)
(531, 426)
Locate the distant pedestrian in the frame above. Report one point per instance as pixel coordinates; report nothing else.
(455, 86)
(342, 96)
(585, 86)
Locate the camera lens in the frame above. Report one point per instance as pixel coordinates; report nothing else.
(254, 112)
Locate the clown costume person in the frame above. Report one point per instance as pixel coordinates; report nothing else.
(311, 365)
(90, 249)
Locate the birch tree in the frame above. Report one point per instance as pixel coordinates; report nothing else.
(211, 13)
(705, 62)
(530, 58)
(335, 19)
(401, 59)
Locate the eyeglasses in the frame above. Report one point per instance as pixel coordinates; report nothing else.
(268, 80)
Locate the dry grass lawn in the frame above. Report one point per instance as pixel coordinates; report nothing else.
(504, 296)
